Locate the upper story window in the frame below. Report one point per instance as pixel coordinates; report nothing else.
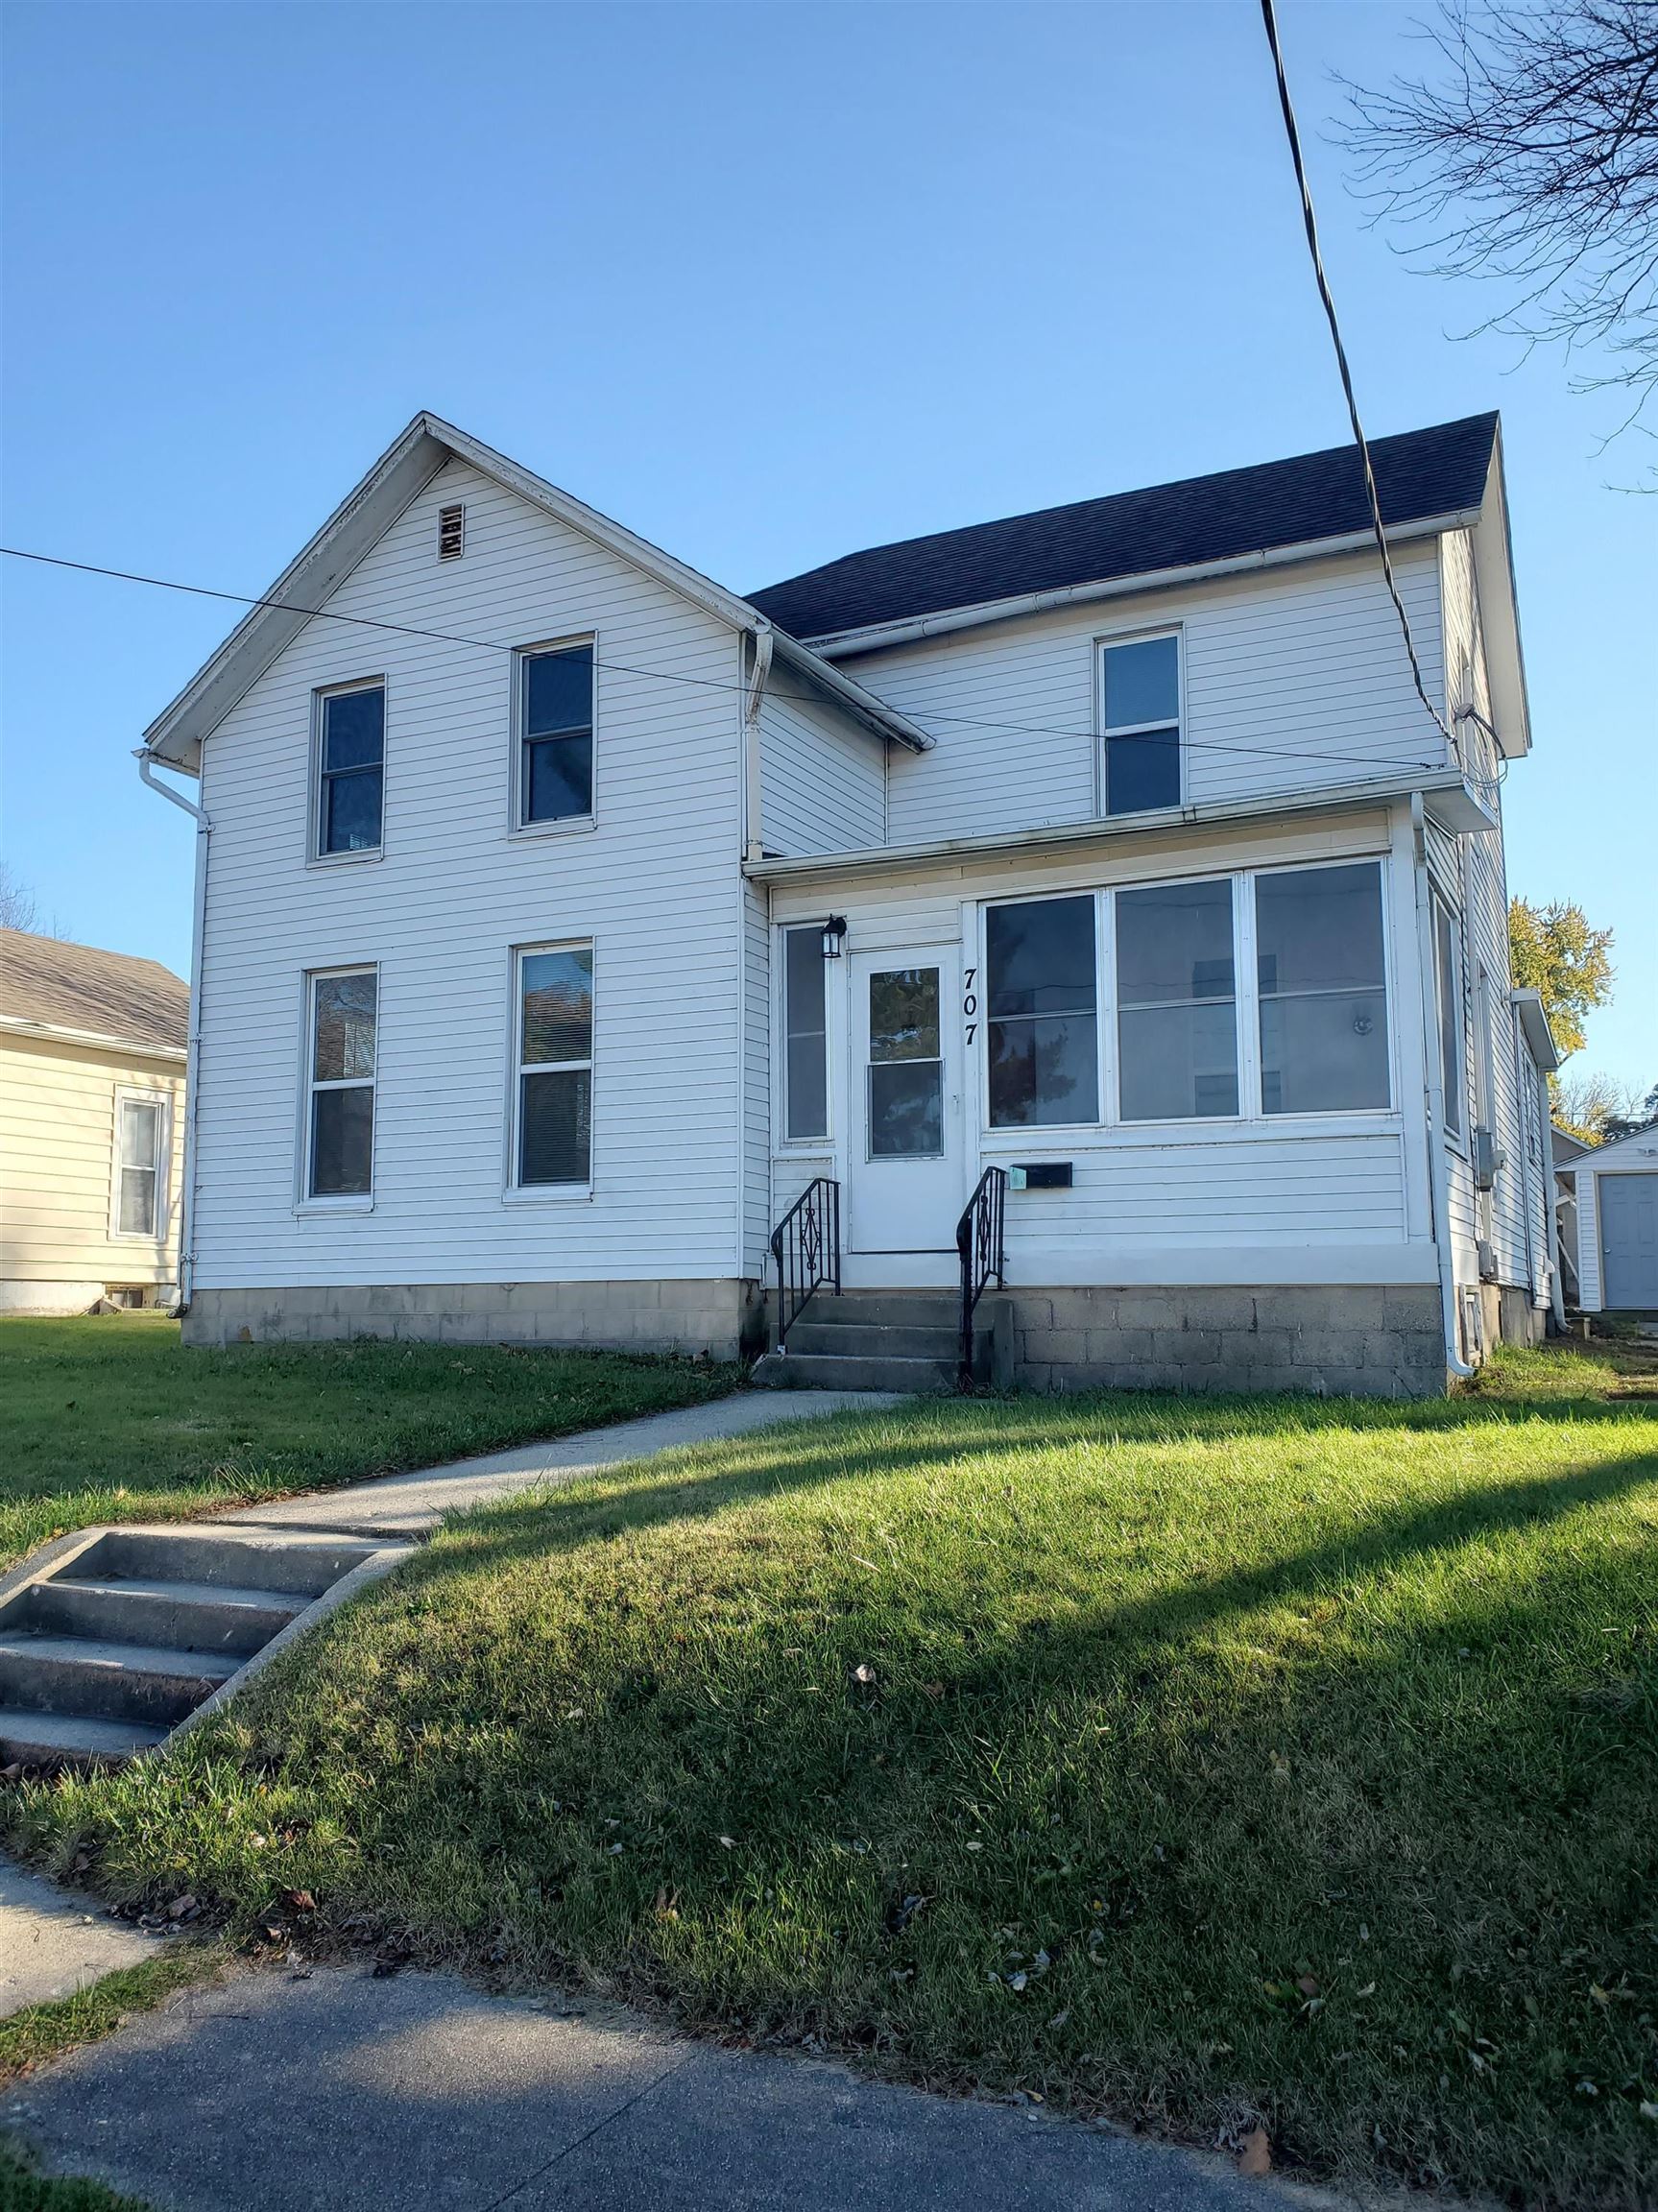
(140, 1163)
(556, 735)
(341, 1050)
(1176, 996)
(1139, 714)
(350, 769)
(1318, 948)
(554, 1141)
(806, 1035)
(1041, 1004)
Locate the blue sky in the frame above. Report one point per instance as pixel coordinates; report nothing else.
(767, 284)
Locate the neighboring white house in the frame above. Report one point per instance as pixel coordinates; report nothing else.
(91, 1126)
(555, 937)
(1616, 1224)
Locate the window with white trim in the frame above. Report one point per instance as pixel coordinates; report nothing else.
(350, 769)
(1040, 1003)
(1176, 1002)
(1139, 716)
(556, 735)
(553, 1141)
(343, 1022)
(806, 1035)
(1448, 996)
(1321, 972)
(140, 1163)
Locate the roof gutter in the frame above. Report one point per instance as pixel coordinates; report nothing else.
(871, 637)
(1447, 797)
(102, 1039)
(873, 712)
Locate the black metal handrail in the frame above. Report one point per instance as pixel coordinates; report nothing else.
(806, 1245)
(979, 1240)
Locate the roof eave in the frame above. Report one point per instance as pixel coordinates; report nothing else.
(871, 637)
(1528, 1004)
(102, 1040)
(1448, 799)
(1499, 612)
(874, 713)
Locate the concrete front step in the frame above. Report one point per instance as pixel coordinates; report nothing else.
(182, 1616)
(108, 1681)
(72, 1739)
(872, 1339)
(292, 1562)
(884, 1309)
(793, 1370)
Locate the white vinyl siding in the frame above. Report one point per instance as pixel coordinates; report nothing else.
(823, 776)
(654, 885)
(1293, 677)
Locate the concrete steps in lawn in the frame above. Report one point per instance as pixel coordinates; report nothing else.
(111, 1639)
(905, 1340)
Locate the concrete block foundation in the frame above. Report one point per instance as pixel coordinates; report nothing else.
(1335, 1341)
(723, 1317)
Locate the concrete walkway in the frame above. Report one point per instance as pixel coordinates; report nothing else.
(413, 1505)
(51, 1943)
(419, 2093)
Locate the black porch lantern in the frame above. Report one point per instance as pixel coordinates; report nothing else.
(834, 934)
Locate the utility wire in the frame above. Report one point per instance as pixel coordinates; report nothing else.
(1324, 294)
(633, 669)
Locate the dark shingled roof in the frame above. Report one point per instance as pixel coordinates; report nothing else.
(138, 1003)
(1418, 474)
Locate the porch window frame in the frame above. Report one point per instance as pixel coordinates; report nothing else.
(1251, 1116)
(515, 1191)
(143, 1095)
(835, 1012)
(1454, 1087)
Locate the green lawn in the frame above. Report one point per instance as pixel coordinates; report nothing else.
(1187, 1761)
(110, 1418)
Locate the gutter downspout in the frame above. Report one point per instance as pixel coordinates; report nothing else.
(753, 845)
(146, 761)
(1439, 1199)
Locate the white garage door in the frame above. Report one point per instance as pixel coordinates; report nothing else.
(1629, 1240)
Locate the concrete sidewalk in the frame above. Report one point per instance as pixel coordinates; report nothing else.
(53, 1943)
(413, 1505)
(419, 2093)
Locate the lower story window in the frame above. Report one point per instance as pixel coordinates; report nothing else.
(1447, 994)
(555, 1065)
(806, 1038)
(1176, 996)
(345, 1022)
(141, 1136)
(1323, 986)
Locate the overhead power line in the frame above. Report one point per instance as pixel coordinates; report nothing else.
(635, 668)
(1359, 439)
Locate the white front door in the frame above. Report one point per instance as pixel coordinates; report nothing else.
(905, 1119)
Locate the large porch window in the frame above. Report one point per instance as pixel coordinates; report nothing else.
(805, 1036)
(1310, 1006)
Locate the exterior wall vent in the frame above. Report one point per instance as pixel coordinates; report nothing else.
(451, 531)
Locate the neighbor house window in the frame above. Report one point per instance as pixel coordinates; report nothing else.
(1323, 990)
(1176, 988)
(345, 1018)
(1139, 701)
(1040, 1004)
(555, 1065)
(556, 735)
(1447, 994)
(805, 1040)
(350, 769)
(140, 1138)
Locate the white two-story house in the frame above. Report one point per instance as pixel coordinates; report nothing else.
(579, 942)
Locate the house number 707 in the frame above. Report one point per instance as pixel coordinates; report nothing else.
(970, 1004)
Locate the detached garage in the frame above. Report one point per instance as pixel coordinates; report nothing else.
(1618, 1225)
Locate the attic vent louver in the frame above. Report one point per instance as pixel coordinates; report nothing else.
(451, 531)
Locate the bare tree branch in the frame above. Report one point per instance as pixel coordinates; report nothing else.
(1527, 154)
